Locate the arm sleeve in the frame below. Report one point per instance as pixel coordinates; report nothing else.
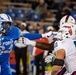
(45, 46)
(32, 36)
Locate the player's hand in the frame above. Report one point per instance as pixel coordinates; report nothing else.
(29, 42)
(49, 58)
(48, 34)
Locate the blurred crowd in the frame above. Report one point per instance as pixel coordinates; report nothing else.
(50, 11)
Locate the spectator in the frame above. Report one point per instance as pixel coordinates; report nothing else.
(40, 55)
(67, 5)
(50, 16)
(50, 4)
(34, 4)
(21, 51)
(41, 8)
(64, 9)
(34, 27)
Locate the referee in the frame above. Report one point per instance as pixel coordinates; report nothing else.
(21, 51)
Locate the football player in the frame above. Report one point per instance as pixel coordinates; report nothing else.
(66, 19)
(8, 34)
(64, 49)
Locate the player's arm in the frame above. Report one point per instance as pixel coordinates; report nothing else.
(58, 62)
(45, 46)
(33, 36)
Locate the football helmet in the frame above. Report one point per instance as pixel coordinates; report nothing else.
(5, 21)
(68, 19)
(67, 31)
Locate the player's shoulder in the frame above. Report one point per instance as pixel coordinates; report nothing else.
(67, 40)
(63, 42)
(14, 28)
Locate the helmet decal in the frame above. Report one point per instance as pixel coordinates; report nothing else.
(67, 17)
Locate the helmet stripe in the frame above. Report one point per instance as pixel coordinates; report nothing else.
(8, 17)
(1, 18)
(66, 20)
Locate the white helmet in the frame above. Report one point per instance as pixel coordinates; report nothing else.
(65, 19)
(4, 18)
(66, 31)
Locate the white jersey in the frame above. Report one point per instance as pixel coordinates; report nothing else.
(70, 59)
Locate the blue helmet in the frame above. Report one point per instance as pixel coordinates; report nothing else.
(5, 21)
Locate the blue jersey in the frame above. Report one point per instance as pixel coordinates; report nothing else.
(5, 47)
(7, 42)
